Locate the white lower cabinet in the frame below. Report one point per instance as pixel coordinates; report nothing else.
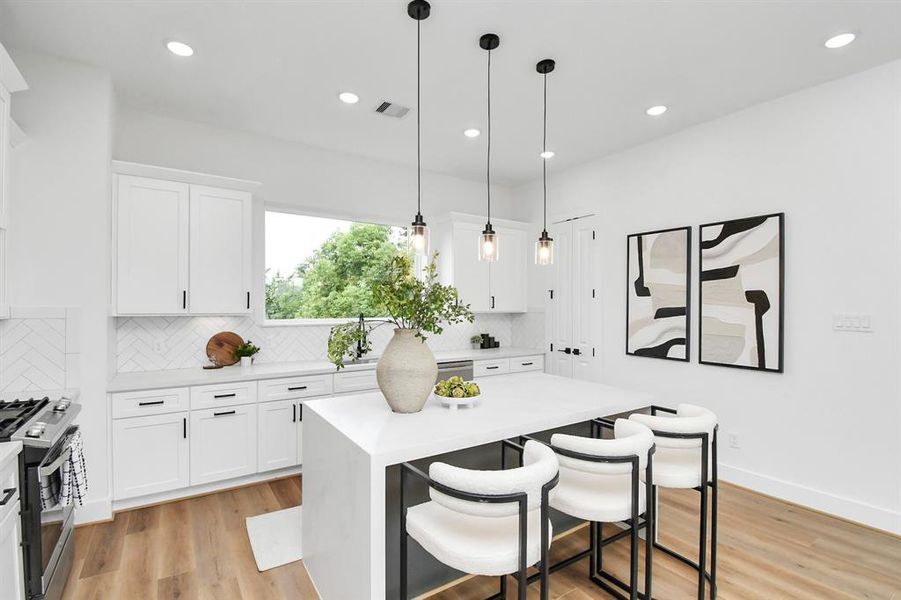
(150, 454)
(223, 443)
(278, 437)
(11, 575)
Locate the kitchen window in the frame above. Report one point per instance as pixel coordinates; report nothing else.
(319, 268)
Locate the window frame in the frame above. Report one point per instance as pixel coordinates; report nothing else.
(301, 211)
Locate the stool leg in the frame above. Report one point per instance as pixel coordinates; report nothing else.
(503, 592)
(702, 551)
(403, 535)
(715, 492)
(633, 542)
(650, 519)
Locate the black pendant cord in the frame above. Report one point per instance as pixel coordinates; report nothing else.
(544, 152)
(488, 166)
(418, 131)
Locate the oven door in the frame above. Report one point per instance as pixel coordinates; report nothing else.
(51, 525)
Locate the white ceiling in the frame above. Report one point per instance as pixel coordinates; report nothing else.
(275, 68)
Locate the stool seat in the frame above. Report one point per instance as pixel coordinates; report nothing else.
(474, 544)
(583, 496)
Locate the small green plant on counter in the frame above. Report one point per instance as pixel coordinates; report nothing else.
(476, 339)
(418, 303)
(246, 349)
(456, 387)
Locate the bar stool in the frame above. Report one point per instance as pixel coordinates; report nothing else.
(686, 459)
(600, 483)
(491, 523)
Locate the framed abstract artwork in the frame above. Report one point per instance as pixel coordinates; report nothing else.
(741, 293)
(657, 298)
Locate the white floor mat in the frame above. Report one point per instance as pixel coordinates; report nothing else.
(275, 538)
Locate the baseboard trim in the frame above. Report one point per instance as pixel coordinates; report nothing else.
(97, 511)
(848, 509)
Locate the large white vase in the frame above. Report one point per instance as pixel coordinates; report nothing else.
(406, 372)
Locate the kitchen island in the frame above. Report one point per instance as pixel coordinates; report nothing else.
(351, 444)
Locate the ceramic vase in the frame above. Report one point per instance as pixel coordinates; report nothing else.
(406, 372)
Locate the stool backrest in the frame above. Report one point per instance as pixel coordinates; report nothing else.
(630, 439)
(689, 418)
(539, 467)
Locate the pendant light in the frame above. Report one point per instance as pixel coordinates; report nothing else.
(544, 247)
(488, 241)
(419, 231)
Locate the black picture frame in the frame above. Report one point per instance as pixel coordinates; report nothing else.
(631, 284)
(738, 224)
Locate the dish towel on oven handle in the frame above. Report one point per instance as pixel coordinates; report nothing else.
(74, 484)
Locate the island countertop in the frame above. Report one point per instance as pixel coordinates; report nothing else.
(510, 405)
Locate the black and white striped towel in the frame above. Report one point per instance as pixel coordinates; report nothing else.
(74, 484)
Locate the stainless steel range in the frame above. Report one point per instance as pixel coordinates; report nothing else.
(44, 425)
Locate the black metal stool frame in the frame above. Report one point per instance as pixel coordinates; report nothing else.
(522, 499)
(596, 573)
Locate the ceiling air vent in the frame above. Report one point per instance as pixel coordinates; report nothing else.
(392, 110)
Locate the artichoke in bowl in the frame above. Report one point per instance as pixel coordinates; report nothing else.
(456, 387)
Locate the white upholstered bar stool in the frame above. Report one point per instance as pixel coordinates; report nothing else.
(600, 482)
(491, 523)
(686, 459)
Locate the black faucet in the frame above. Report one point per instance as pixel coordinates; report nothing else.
(362, 340)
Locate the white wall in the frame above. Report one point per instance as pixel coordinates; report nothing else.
(827, 432)
(59, 241)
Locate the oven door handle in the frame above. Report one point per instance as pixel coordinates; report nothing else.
(63, 457)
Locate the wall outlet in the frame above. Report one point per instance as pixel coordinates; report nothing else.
(853, 322)
(734, 442)
(160, 347)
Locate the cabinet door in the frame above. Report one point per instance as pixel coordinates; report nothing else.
(470, 274)
(11, 575)
(277, 435)
(220, 251)
(223, 443)
(508, 273)
(151, 246)
(150, 454)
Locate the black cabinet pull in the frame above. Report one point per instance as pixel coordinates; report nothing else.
(218, 396)
(566, 351)
(154, 403)
(184, 299)
(248, 300)
(294, 418)
(224, 413)
(300, 407)
(576, 351)
(184, 428)
(492, 368)
(528, 364)
(297, 388)
(7, 494)
(492, 302)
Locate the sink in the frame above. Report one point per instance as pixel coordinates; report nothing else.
(363, 361)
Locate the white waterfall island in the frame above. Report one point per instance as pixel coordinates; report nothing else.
(350, 441)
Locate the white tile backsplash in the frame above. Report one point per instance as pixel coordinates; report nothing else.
(157, 343)
(39, 349)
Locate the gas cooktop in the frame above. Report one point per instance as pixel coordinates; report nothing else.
(16, 413)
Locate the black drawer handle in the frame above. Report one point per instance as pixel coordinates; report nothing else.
(154, 403)
(528, 364)
(223, 413)
(300, 407)
(7, 494)
(218, 396)
(492, 368)
(297, 388)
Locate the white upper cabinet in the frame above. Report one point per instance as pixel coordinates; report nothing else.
(487, 287)
(220, 251)
(181, 247)
(151, 246)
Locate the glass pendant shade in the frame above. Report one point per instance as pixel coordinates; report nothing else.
(544, 250)
(419, 237)
(488, 245)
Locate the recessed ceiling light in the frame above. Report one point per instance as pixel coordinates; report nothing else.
(839, 41)
(348, 98)
(547, 154)
(471, 133)
(656, 111)
(180, 48)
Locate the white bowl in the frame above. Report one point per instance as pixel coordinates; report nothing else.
(455, 403)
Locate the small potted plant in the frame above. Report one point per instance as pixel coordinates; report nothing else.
(245, 353)
(476, 342)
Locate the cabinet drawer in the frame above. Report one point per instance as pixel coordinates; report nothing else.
(291, 388)
(355, 381)
(149, 402)
(481, 368)
(527, 363)
(223, 394)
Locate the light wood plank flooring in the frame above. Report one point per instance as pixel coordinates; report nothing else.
(768, 549)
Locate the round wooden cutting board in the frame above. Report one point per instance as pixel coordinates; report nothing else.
(221, 348)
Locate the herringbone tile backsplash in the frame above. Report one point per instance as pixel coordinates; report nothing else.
(156, 343)
(38, 350)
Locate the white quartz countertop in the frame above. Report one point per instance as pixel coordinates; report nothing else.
(510, 405)
(148, 380)
(8, 453)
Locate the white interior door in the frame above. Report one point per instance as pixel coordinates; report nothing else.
(220, 251)
(560, 301)
(151, 246)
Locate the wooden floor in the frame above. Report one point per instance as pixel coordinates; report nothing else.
(768, 549)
